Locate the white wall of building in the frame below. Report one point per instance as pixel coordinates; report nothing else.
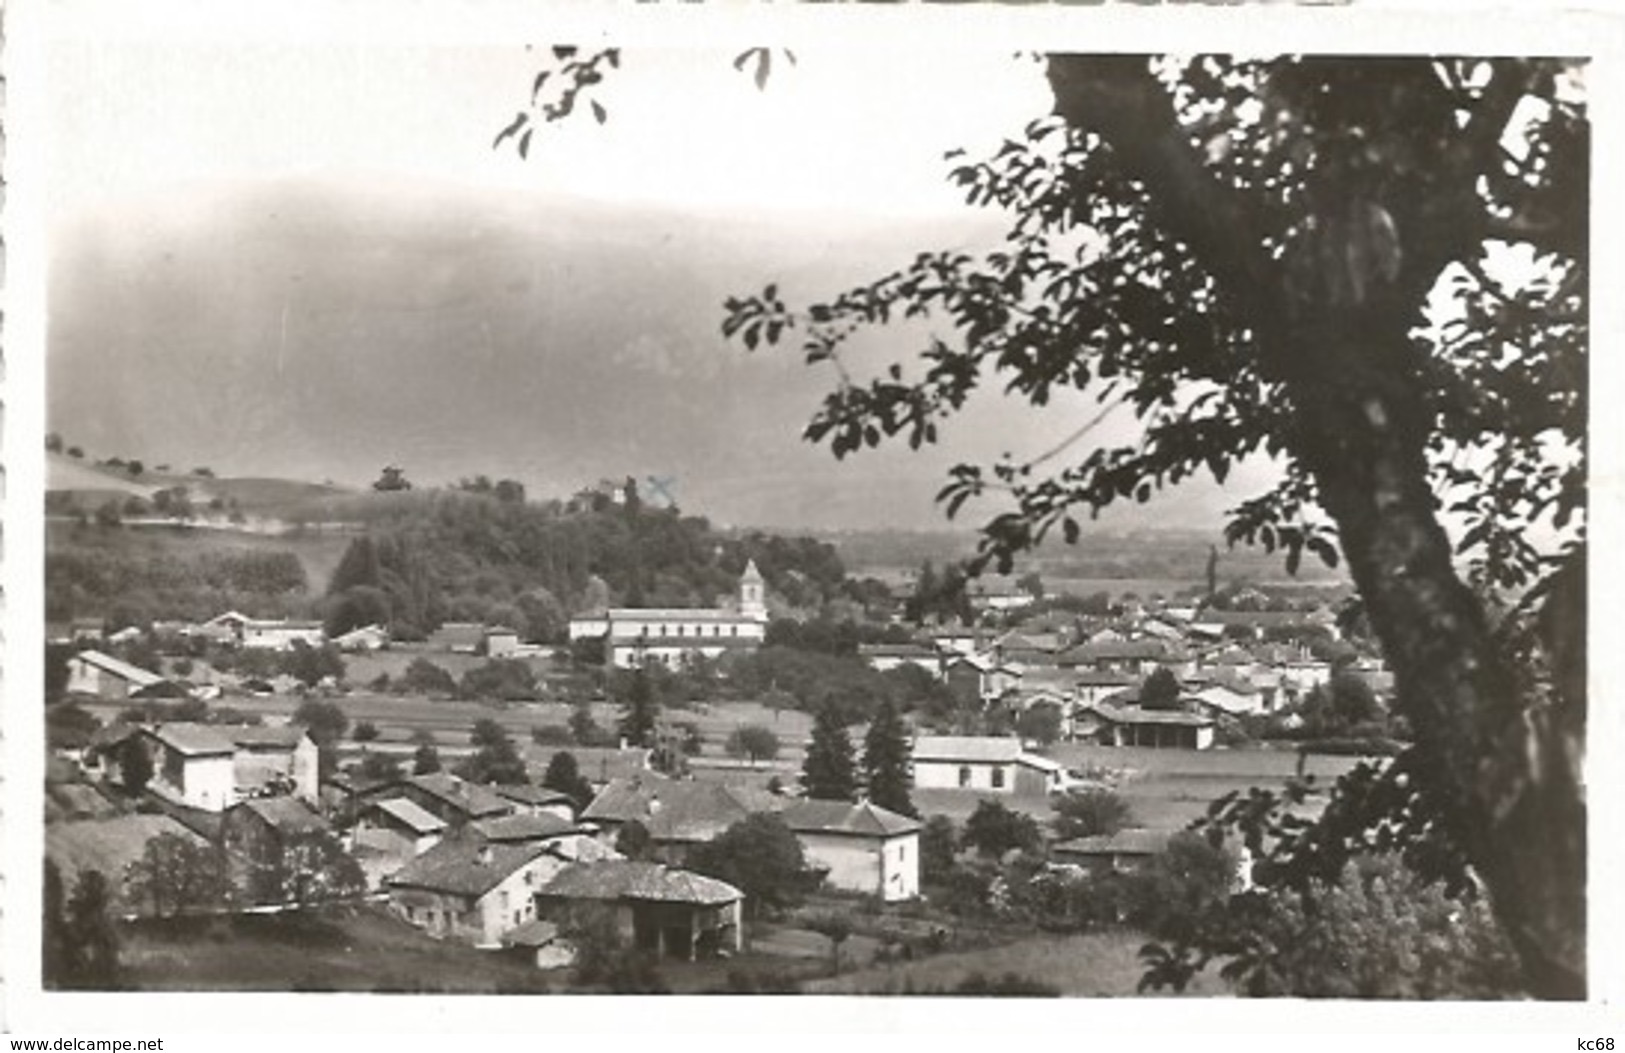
(888, 868)
(952, 775)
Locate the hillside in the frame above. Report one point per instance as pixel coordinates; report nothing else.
(64, 474)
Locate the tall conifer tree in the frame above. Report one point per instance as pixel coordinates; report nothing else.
(885, 761)
(829, 772)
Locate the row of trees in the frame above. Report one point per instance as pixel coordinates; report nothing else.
(86, 573)
(832, 772)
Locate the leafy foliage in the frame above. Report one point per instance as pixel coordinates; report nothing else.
(939, 840)
(1091, 812)
(502, 679)
(1376, 931)
(1161, 690)
(564, 775)
(85, 939)
(423, 677)
(753, 741)
(1040, 722)
(425, 759)
(497, 759)
(761, 857)
(640, 711)
(1371, 269)
(175, 874)
(994, 829)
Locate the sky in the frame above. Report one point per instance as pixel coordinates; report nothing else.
(137, 117)
(841, 158)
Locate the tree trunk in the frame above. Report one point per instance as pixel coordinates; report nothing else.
(1506, 768)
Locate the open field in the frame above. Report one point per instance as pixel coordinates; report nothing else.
(1096, 965)
(366, 948)
(1165, 789)
(335, 949)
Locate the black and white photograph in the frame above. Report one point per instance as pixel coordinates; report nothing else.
(654, 508)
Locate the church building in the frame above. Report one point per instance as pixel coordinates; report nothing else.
(634, 636)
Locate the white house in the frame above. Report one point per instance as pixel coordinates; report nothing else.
(1233, 696)
(501, 642)
(213, 766)
(102, 675)
(280, 634)
(192, 765)
(965, 762)
(861, 847)
(887, 656)
(634, 636)
(362, 639)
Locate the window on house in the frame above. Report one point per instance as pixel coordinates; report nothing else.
(964, 775)
(998, 778)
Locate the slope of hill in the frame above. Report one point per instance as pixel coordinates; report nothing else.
(69, 474)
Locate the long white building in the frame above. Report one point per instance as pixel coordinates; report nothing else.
(634, 636)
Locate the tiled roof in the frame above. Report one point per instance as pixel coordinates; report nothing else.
(410, 815)
(193, 739)
(287, 814)
(287, 736)
(119, 668)
(896, 650)
(613, 879)
(1102, 678)
(674, 810)
(1121, 650)
(1033, 760)
(1137, 715)
(1124, 842)
(533, 933)
(535, 795)
(966, 748)
(466, 866)
(524, 827)
(469, 797)
(842, 817)
(677, 614)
